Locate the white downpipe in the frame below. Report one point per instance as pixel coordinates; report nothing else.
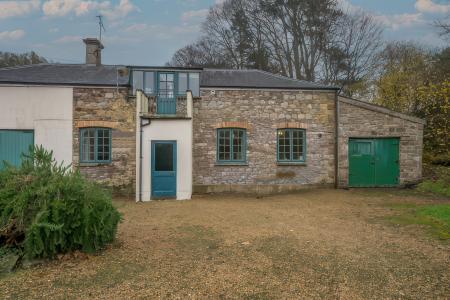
(138, 143)
(189, 103)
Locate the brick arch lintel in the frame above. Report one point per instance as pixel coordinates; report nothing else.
(96, 123)
(286, 124)
(233, 124)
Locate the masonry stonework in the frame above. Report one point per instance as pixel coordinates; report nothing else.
(357, 120)
(110, 108)
(262, 112)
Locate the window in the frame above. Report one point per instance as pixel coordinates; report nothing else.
(291, 145)
(182, 83)
(231, 145)
(149, 82)
(95, 145)
(194, 84)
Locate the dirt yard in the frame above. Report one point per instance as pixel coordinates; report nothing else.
(315, 244)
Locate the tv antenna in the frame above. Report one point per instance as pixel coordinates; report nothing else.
(100, 26)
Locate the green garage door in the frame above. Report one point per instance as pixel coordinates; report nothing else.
(12, 144)
(373, 162)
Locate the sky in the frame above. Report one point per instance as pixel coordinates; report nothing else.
(148, 32)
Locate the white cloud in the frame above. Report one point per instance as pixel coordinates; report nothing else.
(399, 21)
(53, 30)
(124, 8)
(138, 27)
(160, 32)
(12, 35)
(17, 8)
(189, 15)
(59, 8)
(69, 39)
(428, 6)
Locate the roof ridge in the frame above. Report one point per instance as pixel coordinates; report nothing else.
(22, 66)
(289, 78)
(55, 64)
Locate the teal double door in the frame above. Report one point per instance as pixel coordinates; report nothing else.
(14, 143)
(373, 162)
(164, 169)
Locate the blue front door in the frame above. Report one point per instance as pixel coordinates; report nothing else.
(166, 102)
(164, 169)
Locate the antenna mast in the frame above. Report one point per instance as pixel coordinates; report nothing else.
(100, 26)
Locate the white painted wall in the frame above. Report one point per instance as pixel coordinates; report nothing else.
(170, 130)
(46, 110)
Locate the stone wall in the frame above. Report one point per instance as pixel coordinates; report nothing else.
(110, 108)
(359, 119)
(262, 112)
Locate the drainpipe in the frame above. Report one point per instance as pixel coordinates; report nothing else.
(139, 98)
(336, 141)
(141, 132)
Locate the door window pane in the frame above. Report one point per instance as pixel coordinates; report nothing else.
(163, 157)
(166, 85)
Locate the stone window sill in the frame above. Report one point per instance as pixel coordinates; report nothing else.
(93, 164)
(291, 163)
(229, 164)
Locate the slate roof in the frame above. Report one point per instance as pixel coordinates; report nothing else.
(255, 79)
(64, 74)
(107, 75)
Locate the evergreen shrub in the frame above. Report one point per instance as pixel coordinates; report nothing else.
(47, 208)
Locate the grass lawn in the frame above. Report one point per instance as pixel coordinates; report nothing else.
(366, 244)
(435, 217)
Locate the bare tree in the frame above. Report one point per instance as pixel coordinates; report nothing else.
(203, 53)
(304, 39)
(351, 58)
(444, 27)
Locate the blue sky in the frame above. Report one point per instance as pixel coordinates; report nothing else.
(148, 32)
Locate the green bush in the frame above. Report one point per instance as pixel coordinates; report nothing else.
(46, 209)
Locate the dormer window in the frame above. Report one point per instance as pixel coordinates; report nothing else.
(155, 82)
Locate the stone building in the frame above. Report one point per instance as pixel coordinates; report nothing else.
(163, 132)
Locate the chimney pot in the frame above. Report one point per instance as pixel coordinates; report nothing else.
(93, 51)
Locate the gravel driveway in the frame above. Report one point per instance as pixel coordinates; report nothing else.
(315, 244)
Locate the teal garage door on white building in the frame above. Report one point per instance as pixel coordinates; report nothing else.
(14, 143)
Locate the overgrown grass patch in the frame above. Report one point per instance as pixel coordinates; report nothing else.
(437, 182)
(435, 217)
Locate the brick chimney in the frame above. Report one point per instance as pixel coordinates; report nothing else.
(93, 51)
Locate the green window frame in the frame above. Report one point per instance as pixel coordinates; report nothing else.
(95, 145)
(231, 145)
(291, 145)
